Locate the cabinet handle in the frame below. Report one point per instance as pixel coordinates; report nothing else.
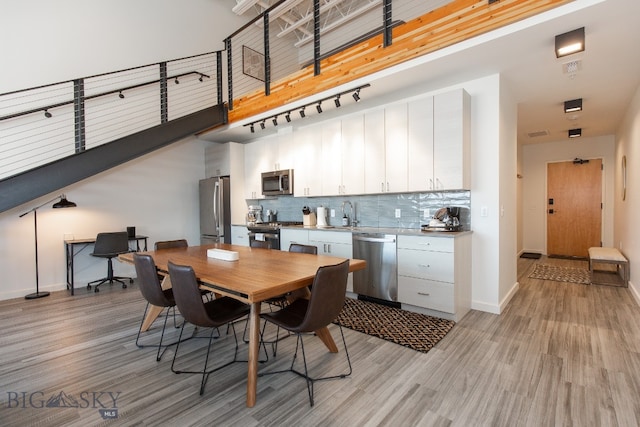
(387, 185)
(382, 186)
(424, 294)
(431, 184)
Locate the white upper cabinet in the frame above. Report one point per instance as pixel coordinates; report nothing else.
(395, 134)
(451, 140)
(307, 180)
(420, 145)
(331, 170)
(353, 155)
(374, 152)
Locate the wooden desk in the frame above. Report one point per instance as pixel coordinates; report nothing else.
(258, 275)
(70, 251)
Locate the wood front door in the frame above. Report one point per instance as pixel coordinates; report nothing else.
(574, 207)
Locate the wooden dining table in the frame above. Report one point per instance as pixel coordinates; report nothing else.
(256, 276)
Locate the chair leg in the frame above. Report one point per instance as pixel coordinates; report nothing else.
(161, 348)
(310, 380)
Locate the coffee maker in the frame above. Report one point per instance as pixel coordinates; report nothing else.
(254, 216)
(452, 219)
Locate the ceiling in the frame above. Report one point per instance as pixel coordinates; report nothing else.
(523, 53)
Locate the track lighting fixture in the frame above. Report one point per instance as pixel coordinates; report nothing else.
(355, 92)
(575, 133)
(121, 95)
(569, 43)
(177, 81)
(573, 105)
(47, 114)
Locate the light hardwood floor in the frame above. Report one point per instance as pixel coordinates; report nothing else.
(560, 354)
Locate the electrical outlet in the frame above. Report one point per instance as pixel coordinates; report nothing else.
(397, 213)
(333, 213)
(426, 213)
(483, 211)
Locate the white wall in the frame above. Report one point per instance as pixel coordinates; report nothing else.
(51, 41)
(626, 224)
(47, 42)
(534, 181)
(157, 193)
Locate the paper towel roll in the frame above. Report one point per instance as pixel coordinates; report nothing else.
(322, 216)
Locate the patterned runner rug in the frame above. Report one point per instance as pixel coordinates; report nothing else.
(416, 331)
(561, 274)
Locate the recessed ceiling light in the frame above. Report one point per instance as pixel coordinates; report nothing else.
(573, 105)
(575, 133)
(569, 43)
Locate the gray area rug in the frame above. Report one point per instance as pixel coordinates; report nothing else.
(561, 274)
(416, 331)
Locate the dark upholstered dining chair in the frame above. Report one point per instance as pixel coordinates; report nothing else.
(263, 244)
(109, 246)
(153, 293)
(305, 249)
(212, 314)
(168, 244)
(303, 316)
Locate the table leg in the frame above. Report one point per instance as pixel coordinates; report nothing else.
(254, 348)
(327, 339)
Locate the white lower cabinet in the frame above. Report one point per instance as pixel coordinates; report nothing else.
(333, 243)
(239, 235)
(434, 273)
(290, 235)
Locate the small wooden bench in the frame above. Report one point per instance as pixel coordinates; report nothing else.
(617, 277)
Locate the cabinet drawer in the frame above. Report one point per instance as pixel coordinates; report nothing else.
(330, 236)
(439, 244)
(426, 265)
(426, 293)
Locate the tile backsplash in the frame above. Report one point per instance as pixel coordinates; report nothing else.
(377, 210)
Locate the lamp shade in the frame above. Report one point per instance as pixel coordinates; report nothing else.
(64, 203)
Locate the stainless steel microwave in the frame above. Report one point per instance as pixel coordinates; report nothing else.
(277, 183)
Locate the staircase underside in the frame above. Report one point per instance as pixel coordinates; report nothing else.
(37, 182)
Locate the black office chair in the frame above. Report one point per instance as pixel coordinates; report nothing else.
(303, 316)
(152, 291)
(212, 314)
(110, 245)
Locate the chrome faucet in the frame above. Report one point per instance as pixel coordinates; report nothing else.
(347, 218)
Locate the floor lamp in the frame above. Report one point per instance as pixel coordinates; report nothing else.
(62, 203)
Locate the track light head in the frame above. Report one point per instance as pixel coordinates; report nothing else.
(337, 101)
(356, 95)
(287, 117)
(47, 114)
(121, 95)
(319, 107)
(262, 126)
(176, 81)
(302, 114)
(253, 129)
(569, 43)
(275, 121)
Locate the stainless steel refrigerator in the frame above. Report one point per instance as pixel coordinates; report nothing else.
(215, 210)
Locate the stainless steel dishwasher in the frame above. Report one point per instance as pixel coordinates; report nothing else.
(379, 279)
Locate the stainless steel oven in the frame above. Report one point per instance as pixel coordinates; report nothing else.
(269, 232)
